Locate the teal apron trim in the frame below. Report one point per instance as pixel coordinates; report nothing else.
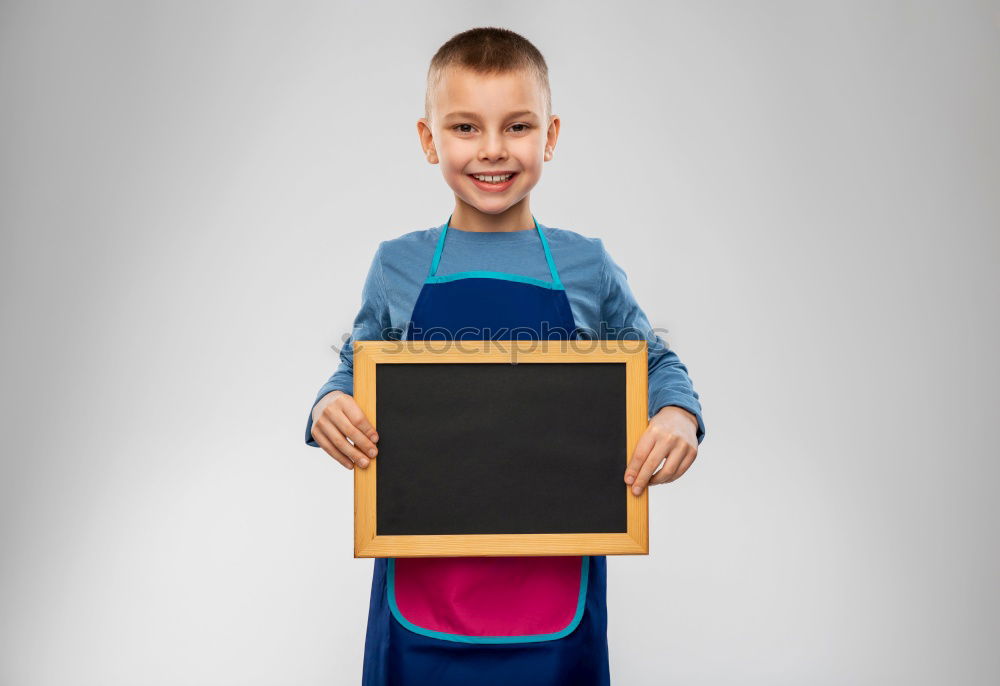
(556, 283)
(494, 275)
(461, 638)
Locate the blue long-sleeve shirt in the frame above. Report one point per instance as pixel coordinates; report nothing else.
(596, 286)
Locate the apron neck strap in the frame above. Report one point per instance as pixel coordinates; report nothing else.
(545, 246)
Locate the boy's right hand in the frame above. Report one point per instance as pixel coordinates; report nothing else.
(336, 418)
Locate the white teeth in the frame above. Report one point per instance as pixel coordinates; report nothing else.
(492, 179)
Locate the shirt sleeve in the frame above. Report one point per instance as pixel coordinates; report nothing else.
(669, 383)
(372, 323)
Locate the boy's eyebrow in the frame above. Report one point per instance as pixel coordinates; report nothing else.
(473, 115)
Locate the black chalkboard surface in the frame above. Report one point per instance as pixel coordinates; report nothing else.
(483, 452)
(500, 448)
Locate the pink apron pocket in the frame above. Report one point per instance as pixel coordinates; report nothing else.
(505, 598)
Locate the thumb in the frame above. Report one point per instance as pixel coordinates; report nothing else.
(642, 449)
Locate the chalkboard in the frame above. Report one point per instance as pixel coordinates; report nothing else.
(500, 448)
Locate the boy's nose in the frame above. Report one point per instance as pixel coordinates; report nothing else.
(493, 148)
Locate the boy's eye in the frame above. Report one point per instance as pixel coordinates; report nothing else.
(466, 128)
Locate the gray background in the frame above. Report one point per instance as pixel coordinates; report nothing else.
(803, 193)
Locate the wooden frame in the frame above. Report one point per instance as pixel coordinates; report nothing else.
(368, 354)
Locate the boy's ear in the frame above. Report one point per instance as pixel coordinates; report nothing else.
(427, 140)
(551, 136)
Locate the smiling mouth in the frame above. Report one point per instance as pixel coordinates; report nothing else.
(498, 181)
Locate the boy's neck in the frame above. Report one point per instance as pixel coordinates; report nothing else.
(517, 217)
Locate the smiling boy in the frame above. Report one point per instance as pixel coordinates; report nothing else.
(488, 124)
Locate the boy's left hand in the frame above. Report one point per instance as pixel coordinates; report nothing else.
(672, 434)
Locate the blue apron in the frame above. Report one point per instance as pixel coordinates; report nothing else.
(489, 620)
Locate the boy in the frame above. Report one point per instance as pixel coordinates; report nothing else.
(496, 620)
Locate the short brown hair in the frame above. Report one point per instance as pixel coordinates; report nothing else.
(489, 50)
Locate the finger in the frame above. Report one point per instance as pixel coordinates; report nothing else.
(330, 424)
(355, 448)
(685, 464)
(351, 423)
(656, 456)
(646, 442)
(670, 469)
(327, 445)
(360, 420)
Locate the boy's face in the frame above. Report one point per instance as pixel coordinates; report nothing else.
(488, 124)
